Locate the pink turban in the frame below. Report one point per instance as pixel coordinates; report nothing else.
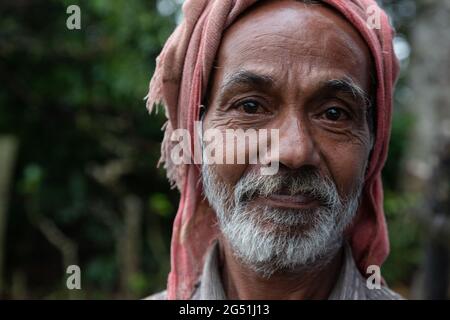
(179, 83)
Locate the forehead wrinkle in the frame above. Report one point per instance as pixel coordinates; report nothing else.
(335, 33)
(334, 41)
(281, 50)
(284, 37)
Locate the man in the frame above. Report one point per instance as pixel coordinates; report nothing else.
(322, 76)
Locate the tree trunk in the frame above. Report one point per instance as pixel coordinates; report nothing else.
(8, 147)
(130, 244)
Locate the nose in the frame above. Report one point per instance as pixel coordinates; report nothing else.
(297, 147)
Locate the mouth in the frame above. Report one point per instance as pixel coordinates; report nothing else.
(297, 201)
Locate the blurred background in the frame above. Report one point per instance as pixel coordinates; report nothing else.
(78, 150)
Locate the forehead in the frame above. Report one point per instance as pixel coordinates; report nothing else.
(286, 39)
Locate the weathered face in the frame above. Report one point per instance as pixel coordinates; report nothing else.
(300, 69)
(273, 71)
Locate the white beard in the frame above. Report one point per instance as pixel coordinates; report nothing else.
(269, 239)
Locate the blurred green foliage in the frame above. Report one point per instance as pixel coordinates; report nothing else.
(74, 99)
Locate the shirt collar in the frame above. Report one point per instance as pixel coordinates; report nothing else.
(349, 286)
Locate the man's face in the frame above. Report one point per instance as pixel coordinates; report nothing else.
(300, 69)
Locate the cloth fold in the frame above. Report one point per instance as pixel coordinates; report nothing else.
(180, 82)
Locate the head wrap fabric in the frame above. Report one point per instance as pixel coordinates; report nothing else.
(180, 82)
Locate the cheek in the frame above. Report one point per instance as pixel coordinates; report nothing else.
(347, 164)
(230, 174)
(222, 154)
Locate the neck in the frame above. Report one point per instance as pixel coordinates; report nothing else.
(242, 283)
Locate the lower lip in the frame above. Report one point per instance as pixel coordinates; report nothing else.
(291, 202)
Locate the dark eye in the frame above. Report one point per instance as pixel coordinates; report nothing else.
(251, 107)
(335, 114)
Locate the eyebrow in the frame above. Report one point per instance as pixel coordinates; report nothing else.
(348, 86)
(251, 79)
(246, 78)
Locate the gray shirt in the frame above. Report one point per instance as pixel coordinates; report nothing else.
(351, 285)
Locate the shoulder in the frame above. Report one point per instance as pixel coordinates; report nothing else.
(355, 284)
(383, 293)
(157, 296)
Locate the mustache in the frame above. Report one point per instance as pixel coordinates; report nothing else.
(307, 182)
